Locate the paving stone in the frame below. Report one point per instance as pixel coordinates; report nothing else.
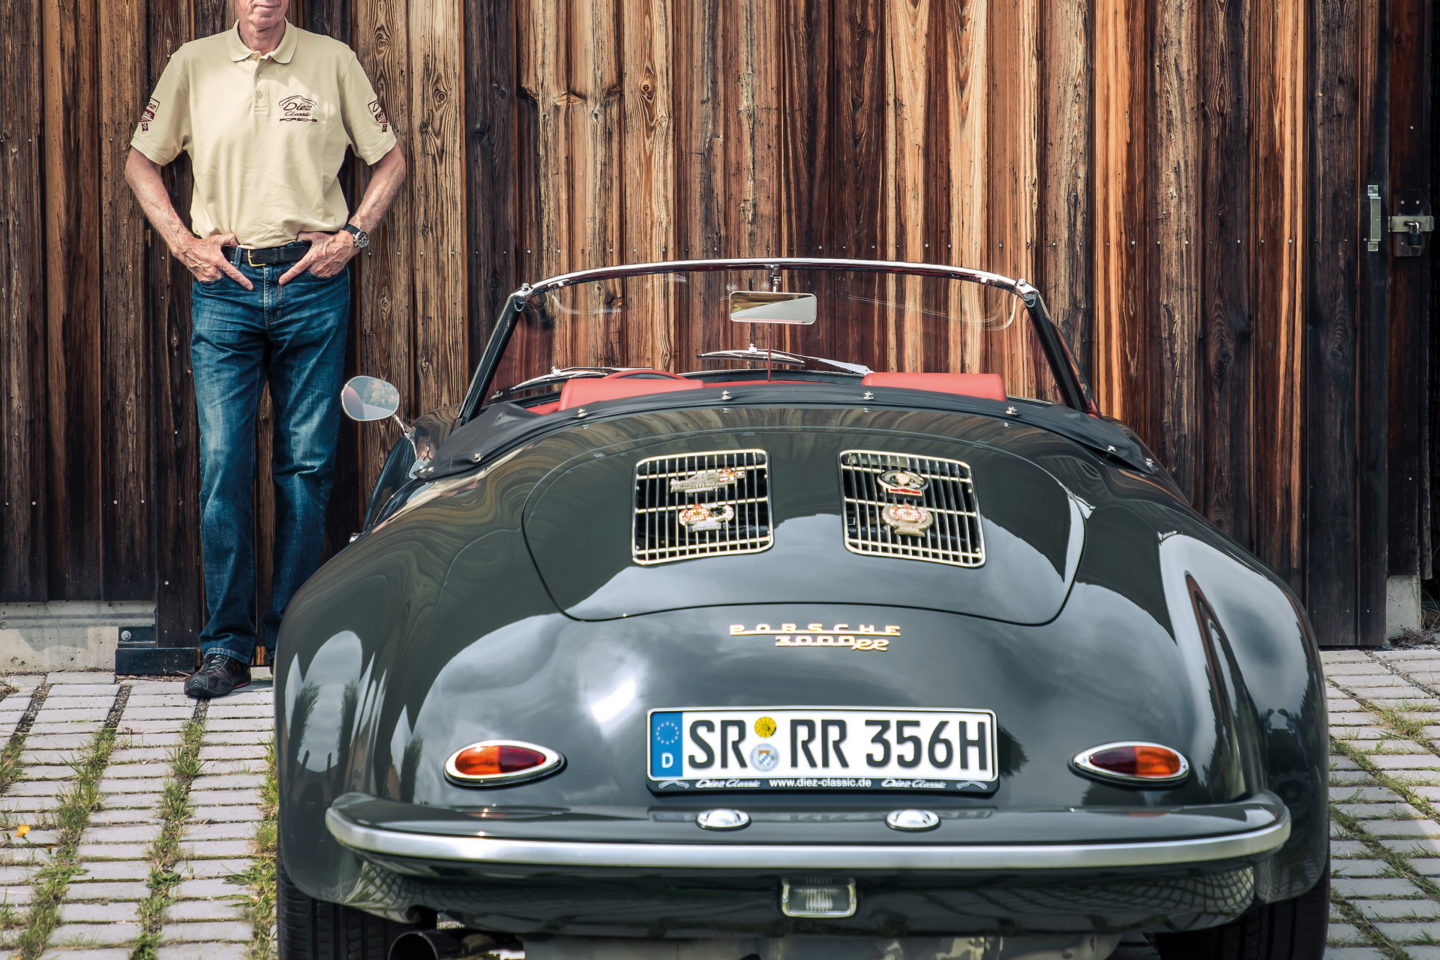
(1329, 657)
(137, 756)
(131, 801)
(1355, 953)
(256, 751)
(1408, 932)
(258, 709)
(41, 758)
(229, 781)
(214, 725)
(221, 797)
(122, 815)
(16, 896)
(86, 731)
(50, 713)
(232, 931)
(203, 951)
(236, 830)
(82, 889)
(1417, 847)
(115, 870)
(1338, 762)
(38, 803)
(1361, 794)
(1417, 910)
(1377, 811)
(118, 911)
(15, 875)
(1373, 887)
(135, 711)
(50, 774)
(1344, 933)
(212, 869)
(217, 767)
(109, 786)
(1404, 761)
(86, 953)
(1428, 792)
(1347, 674)
(162, 740)
(111, 851)
(130, 727)
(1425, 866)
(58, 741)
(79, 676)
(206, 888)
(226, 813)
(1402, 828)
(188, 910)
(95, 934)
(1345, 777)
(132, 833)
(136, 771)
(201, 849)
(1355, 734)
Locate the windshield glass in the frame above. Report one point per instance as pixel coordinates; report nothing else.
(786, 324)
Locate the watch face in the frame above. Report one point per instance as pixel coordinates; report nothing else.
(362, 239)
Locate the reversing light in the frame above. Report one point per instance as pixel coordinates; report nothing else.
(1133, 762)
(492, 763)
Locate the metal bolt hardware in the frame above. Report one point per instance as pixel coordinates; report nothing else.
(1408, 227)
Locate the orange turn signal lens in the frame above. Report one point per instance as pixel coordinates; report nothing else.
(1134, 762)
(495, 762)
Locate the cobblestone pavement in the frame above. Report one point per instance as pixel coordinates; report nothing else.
(150, 878)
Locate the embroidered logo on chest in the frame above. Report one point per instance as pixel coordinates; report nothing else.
(298, 109)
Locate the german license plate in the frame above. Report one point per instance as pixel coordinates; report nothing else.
(822, 748)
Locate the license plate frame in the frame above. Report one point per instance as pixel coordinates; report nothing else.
(671, 750)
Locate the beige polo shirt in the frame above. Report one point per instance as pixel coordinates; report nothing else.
(266, 134)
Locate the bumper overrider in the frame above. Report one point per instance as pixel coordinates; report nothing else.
(619, 873)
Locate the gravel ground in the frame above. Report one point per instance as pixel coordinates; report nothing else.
(167, 851)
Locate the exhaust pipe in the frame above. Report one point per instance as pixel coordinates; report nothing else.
(428, 945)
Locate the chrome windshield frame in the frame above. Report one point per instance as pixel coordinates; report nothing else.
(1057, 353)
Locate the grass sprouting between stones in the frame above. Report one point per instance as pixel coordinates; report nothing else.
(1359, 921)
(164, 853)
(10, 755)
(258, 900)
(76, 806)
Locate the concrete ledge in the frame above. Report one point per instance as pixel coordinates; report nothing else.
(1403, 610)
(66, 635)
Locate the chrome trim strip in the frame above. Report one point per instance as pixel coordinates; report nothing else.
(755, 856)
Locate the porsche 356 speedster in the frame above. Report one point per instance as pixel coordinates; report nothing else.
(791, 608)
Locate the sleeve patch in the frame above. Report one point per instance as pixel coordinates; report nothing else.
(149, 115)
(378, 112)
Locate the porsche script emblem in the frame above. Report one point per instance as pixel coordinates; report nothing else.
(707, 481)
(706, 516)
(903, 483)
(861, 636)
(907, 519)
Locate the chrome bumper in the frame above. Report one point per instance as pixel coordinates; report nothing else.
(388, 843)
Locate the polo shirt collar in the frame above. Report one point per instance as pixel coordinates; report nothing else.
(281, 54)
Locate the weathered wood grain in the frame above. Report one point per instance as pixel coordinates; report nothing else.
(126, 482)
(963, 85)
(1279, 165)
(492, 168)
(383, 282)
(437, 135)
(24, 461)
(904, 171)
(1331, 281)
(179, 588)
(1065, 116)
(72, 301)
(1120, 250)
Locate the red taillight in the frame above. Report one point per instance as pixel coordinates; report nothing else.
(1136, 762)
(501, 761)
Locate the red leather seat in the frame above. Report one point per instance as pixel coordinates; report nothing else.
(586, 390)
(989, 386)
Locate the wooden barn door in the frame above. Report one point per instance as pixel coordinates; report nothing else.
(1366, 344)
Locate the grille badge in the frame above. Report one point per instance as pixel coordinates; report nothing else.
(902, 483)
(708, 504)
(907, 519)
(707, 516)
(707, 481)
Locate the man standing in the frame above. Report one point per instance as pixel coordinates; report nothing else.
(266, 112)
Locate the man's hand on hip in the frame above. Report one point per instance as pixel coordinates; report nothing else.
(327, 256)
(205, 261)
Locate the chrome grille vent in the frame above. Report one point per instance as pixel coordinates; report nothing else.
(701, 505)
(918, 508)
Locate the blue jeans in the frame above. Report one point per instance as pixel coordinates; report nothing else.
(293, 338)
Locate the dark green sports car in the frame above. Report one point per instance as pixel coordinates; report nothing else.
(791, 608)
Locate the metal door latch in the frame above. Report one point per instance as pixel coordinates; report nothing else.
(1408, 227)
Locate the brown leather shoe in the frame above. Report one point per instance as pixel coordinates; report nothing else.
(217, 676)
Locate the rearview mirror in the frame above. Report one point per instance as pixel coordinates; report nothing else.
(765, 306)
(369, 398)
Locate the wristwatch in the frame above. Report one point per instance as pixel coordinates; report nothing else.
(362, 239)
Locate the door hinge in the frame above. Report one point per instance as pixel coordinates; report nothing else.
(1408, 226)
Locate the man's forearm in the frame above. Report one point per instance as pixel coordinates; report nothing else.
(143, 175)
(386, 175)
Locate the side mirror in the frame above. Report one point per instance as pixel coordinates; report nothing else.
(369, 398)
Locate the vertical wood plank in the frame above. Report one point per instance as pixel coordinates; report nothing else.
(904, 184)
(24, 484)
(1174, 280)
(383, 284)
(125, 338)
(1412, 172)
(595, 52)
(1332, 277)
(648, 185)
(1372, 335)
(965, 83)
(1279, 165)
(72, 307)
(492, 171)
(179, 597)
(437, 135)
(1065, 115)
(752, 147)
(1121, 334)
(1012, 197)
(805, 52)
(1225, 458)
